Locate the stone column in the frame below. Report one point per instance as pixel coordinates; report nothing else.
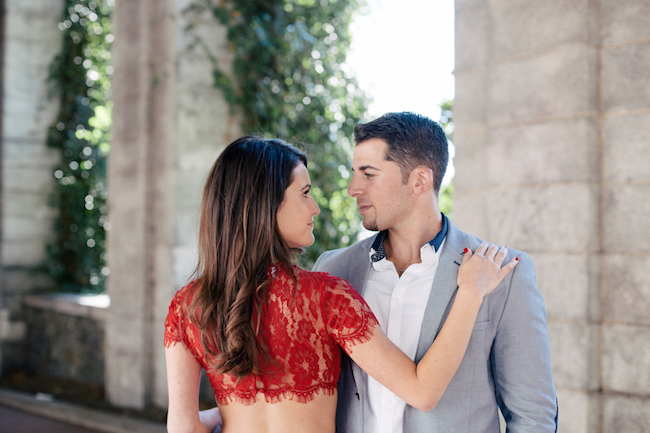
(141, 180)
(529, 167)
(625, 213)
(2, 67)
(552, 143)
(205, 123)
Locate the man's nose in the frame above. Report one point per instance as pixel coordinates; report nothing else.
(352, 187)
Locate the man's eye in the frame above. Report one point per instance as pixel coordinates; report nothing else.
(368, 175)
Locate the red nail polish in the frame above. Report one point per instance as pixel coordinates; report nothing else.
(466, 250)
(516, 259)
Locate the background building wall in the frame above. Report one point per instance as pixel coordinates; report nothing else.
(65, 336)
(31, 40)
(205, 125)
(625, 211)
(552, 142)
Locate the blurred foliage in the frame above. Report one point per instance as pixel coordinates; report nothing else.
(290, 80)
(447, 190)
(80, 76)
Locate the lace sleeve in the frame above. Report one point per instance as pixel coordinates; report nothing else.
(176, 322)
(348, 318)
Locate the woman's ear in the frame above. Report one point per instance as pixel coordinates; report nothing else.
(422, 178)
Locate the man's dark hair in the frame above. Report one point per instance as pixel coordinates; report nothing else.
(413, 140)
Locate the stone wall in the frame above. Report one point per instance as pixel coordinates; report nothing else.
(65, 336)
(552, 140)
(624, 212)
(31, 40)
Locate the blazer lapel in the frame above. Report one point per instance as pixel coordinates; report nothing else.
(359, 266)
(443, 289)
(357, 275)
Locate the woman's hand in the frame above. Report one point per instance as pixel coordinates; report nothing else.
(481, 271)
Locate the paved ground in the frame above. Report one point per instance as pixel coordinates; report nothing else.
(23, 413)
(16, 421)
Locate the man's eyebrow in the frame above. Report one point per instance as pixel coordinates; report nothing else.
(366, 167)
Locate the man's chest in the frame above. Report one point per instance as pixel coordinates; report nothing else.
(400, 305)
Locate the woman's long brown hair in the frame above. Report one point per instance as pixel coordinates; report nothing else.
(238, 242)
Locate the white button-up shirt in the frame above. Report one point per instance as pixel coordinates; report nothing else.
(399, 305)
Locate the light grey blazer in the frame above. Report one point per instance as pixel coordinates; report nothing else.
(507, 363)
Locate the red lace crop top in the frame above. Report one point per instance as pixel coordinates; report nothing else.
(304, 335)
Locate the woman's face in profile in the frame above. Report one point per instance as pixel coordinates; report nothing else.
(297, 210)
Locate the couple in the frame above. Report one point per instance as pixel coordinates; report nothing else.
(270, 334)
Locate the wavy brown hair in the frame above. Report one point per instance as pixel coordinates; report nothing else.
(238, 242)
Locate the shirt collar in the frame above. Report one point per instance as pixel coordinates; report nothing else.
(377, 251)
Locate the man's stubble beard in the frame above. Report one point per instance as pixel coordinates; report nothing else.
(371, 225)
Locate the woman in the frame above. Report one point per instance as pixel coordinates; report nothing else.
(269, 334)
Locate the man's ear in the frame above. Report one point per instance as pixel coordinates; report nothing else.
(422, 179)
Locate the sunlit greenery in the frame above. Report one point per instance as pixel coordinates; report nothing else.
(290, 80)
(80, 76)
(446, 191)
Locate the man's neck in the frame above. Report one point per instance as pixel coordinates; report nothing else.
(403, 244)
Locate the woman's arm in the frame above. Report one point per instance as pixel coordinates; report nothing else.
(422, 385)
(183, 376)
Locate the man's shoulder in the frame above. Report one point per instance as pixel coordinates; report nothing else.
(472, 241)
(332, 259)
(464, 239)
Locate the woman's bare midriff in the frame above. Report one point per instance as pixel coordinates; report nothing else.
(287, 416)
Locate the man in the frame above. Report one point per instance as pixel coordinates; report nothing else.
(407, 274)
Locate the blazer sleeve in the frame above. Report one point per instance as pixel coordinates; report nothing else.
(520, 357)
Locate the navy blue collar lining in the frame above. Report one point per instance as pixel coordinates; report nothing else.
(380, 252)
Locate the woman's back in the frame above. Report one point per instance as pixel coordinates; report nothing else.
(303, 329)
(316, 416)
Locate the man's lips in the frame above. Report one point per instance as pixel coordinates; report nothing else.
(364, 207)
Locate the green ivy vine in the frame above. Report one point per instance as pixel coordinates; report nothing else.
(290, 80)
(80, 76)
(447, 190)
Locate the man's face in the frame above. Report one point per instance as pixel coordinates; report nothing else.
(376, 183)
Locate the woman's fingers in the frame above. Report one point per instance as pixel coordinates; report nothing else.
(482, 249)
(509, 267)
(467, 254)
(492, 252)
(489, 251)
(484, 271)
(501, 256)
